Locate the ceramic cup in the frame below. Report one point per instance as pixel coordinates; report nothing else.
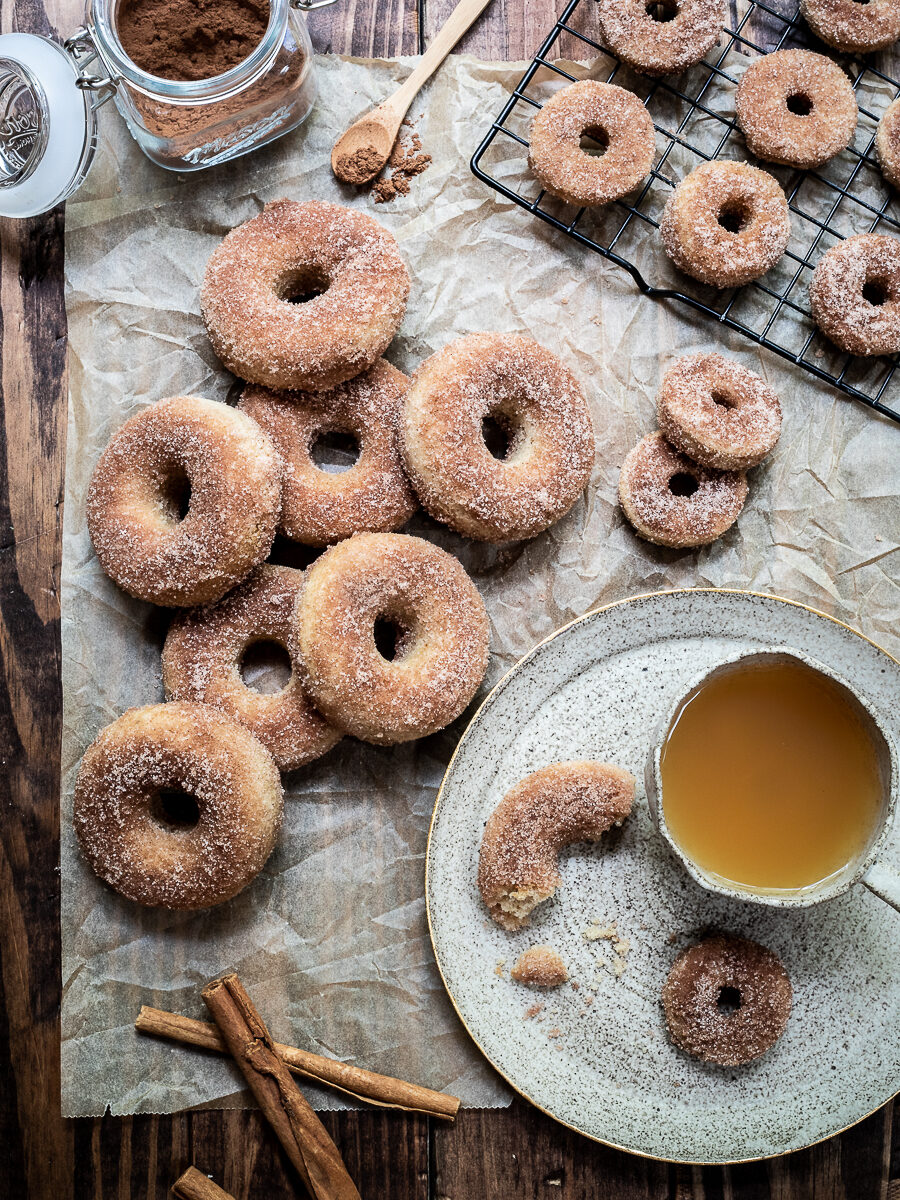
(864, 868)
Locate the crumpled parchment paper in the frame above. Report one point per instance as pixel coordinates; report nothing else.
(331, 941)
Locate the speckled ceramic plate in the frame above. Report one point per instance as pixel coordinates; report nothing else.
(597, 1056)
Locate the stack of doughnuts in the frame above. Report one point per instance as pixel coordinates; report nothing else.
(686, 485)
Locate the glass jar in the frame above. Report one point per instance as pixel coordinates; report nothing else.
(49, 95)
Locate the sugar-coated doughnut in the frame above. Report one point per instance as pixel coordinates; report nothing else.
(539, 967)
(292, 250)
(202, 656)
(718, 413)
(857, 25)
(726, 223)
(184, 448)
(664, 38)
(613, 117)
(887, 143)
(526, 390)
(551, 808)
(672, 500)
(796, 107)
(727, 1000)
(440, 654)
(177, 805)
(855, 294)
(374, 494)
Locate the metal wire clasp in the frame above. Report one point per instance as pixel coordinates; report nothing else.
(308, 5)
(80, 47)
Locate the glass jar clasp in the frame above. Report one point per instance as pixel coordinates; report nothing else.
(308, 5)
(81, 49)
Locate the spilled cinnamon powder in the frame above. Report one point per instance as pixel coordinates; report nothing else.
(406, 162)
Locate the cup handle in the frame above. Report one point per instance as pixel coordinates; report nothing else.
(884, 883)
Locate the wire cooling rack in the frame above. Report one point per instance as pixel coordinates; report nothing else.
(694, 116)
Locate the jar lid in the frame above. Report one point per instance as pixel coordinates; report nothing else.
(48, 127)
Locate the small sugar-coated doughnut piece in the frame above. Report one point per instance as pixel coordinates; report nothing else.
(292, 250)
(718, 413)
(202, 658)
(887, 143)
(613, 117)
(855, 294)
(855, 25)
(177, 805)
(536, 400)
(374, 494)
(726, 223)
(551, 808)
(673, 501)
(727, 1000)
(440, 624)
(540, 967)
(184, 448)
(796, 107)
(663, 38)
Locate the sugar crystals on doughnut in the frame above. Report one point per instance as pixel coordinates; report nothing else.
(853, 24)
(855, 294)
(663, 38)
(887, 143)
(539, 967)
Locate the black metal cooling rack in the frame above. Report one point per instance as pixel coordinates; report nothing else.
(694, 114)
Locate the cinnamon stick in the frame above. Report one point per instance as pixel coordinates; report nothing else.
(382, 1090)
(304, 1137)
(194, 1185)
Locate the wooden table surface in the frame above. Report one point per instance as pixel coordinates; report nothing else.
(512, 1153)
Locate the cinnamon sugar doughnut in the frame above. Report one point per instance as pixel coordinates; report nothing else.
(718, 413)
(673, 501)
(292, 249)
(664, 38)
(201, 662)
(551, 808)
(887, 143)
(855, 294)
(184, 447)
(539, 966)
(857, 25)
(438, 660)
(177, 805)
(796, 107)
(726, 223)
(374, 494)
(528, 392)
(614, 118)
(727, 1000)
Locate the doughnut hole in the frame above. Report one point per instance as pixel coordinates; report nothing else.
(174, 809)
(878, 291)
(733, 216)
(662, 10)
(302, 285)
(682, 484)
(334, 450)
(175, 493)
(265, 666)
(721, 400)
(799, 104)
(594, 142)
(502, 431)
(728, 1001)
(394, 634)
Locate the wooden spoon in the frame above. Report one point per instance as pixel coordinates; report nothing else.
(360, 153)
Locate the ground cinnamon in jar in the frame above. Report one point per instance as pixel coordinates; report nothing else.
(190, 39)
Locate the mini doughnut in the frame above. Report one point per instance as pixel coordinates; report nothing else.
(374, 494)
(438, 660)
(140, 832)
(673, 501)
(551, 808)
(796, 107)
(528, 392)
(851, 25)
(292, 249)
(613, 117)
(887, 143)
(232, 475)
(539, 966)
(660, 39)
(705, 984)
(726, 223)
(718, 413)
(201, 663)
(855, 294)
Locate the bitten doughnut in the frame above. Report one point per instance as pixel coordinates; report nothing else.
(718, 413)
(290, 250)
(855, 294)
(539, 967)
(551, 808)
(610, 115)
(177, 805)
(184, 448)
(661, 39)
(726, 223)
(202, 656)
(537, 402)
(854, 25)
(727, 1000)
(673, 501)
(887, 143)
(441, 648)
(796, 107)
(374, 494)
